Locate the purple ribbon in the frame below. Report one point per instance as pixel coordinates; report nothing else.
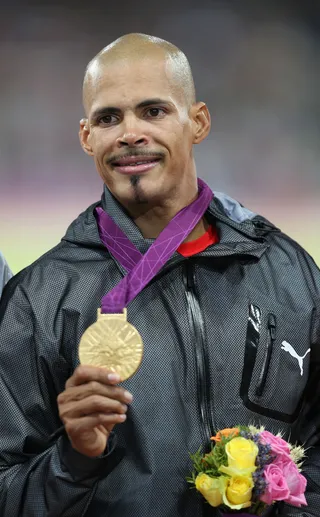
(142, 268)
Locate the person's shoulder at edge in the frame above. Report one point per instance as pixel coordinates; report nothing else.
(5, 272)
(59, 253)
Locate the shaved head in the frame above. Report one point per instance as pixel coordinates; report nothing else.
(136, 47)
(142, 121)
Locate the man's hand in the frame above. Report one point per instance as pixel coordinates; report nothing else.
(90, 407)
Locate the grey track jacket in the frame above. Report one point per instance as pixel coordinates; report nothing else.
(213, 327)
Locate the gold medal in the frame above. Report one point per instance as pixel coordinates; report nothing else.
(113, 343)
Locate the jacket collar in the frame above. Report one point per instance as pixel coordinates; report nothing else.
(241, 231)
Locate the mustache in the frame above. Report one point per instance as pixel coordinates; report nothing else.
(137, 152)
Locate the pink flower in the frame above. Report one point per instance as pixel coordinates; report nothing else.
(284, 481)
(296, 483)
(279, 447)
(277, 488)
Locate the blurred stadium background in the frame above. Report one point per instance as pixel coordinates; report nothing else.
(256, 64)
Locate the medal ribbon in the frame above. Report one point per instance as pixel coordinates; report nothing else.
(142, 268)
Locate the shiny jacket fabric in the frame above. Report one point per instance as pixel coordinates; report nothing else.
(213, 326)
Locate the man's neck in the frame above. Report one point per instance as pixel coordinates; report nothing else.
(151, 225)
(151, 218)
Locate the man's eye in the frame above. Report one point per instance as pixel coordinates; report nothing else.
(155, 112)
(107, 119)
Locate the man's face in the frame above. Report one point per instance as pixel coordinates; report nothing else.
(140, 131)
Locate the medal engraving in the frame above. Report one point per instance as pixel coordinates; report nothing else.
(113, 343)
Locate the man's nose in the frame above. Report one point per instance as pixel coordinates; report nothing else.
(133, 134)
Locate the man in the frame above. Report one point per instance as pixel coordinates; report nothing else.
(213, 319)
(5, 273)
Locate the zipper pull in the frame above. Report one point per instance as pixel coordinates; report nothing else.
(189, 275)
(272, 324)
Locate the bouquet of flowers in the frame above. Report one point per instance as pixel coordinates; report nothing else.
(249, 469)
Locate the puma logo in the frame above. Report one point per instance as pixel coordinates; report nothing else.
(288, 348)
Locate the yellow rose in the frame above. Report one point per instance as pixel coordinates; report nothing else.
(239, 492)
(212, 489)
(242, 455)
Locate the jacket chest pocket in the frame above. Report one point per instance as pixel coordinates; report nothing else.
(276, 361)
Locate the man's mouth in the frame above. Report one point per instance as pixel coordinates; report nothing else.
(135, 164)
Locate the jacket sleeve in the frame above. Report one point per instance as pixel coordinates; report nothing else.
(52, 480)
(308, 426)
(310, 438)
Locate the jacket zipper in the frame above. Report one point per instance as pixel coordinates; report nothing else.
(267, 355)
(202, 363)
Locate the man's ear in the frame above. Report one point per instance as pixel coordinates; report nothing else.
(84, 136)
(201, 121)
